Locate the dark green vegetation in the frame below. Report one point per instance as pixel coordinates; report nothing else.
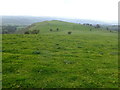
(52, 59)
(12, 29)
(110, 27)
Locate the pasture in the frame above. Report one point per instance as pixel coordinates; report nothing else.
(84, 59)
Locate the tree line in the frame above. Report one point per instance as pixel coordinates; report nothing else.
(8, 29)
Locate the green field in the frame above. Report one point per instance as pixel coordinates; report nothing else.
(55, 59)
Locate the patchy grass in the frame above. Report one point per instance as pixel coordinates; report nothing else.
(85, 59)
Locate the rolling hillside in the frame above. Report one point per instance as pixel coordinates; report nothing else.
(88, 58)
(64, 27)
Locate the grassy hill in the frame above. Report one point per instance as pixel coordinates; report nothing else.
(47, 25)
(64, 27)
(54, 59)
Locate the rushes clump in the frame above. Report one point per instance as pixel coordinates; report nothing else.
(36, 52)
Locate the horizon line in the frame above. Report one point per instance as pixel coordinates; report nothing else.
(107, 21)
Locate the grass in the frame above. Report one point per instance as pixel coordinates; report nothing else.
(86, 59)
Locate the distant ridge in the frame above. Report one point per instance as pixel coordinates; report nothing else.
(27, 20)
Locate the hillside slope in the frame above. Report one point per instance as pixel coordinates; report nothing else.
(88, 58)
(44, 27)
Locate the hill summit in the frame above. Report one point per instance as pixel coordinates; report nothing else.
(56, 25)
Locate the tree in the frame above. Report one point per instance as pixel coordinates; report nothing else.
(51, 30)
(69, 32)
(4, 32)
(90, 24)
(9, 28)
(35, 31)
(27, 32)
(107, 28)
(97, 26)
(57, 29)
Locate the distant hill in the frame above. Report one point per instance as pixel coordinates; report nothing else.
(46, 26)
(22, 20)
(27, 20)
(110, 27)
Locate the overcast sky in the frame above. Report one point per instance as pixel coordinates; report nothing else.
(103, 10)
